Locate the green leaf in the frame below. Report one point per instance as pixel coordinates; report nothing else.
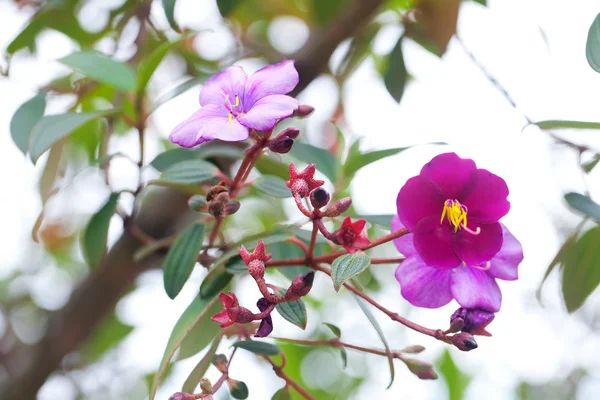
(258, 347)
(200, 369)
(190, 317)
(272, 186)
(456, 380)
(239, 390)
(590, 165)
(563, 124)
(294, 312)
(482, 2)
(102, 68)
(379, 331)
(360, 48)
(592, 46)
(226, 7)
(384, 220)
(344, 356)
(187, 174)
(96, 232)
(348, 266)
(104, 338)
(584, 205)
(201, 335)
(148, 65)
(169, 7)
(421, 369)
(177, 90)
(282, 394)
(324, 161)
(25, 118)
(334, 329)
(216, 280)
(395, 76)
(52, 128)
(581, 269)
(181, 258)
(268, 166)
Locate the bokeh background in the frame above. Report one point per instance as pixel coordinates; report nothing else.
(534, 48)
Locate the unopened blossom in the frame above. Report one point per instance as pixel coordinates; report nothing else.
(303, 182)
(232, 312)
(351, 235)
(232, 103)
(475, 320)
(256, 260)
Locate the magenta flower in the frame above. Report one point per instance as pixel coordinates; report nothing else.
(232, 104)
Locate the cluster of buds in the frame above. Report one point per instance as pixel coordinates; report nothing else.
(219, 203)
(256, 262)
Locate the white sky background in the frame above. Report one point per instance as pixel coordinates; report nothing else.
(449, 100)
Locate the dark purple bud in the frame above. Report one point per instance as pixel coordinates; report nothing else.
(281, 144)
(300, 286)
(291, 133)
(338, 208)
(220, 362)
(181, 396)
(319, 197)
(475, 320)
(456, 325)
(304, 110)
(464, 341)
(266, 324)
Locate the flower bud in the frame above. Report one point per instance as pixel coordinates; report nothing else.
(421, 369)
(217, 198)
(304, 110)
(205, 385)
(338, 208)
(220, 362)
(456, 325)
(301, 183)
(232, 207)
(300, 286)
(464, 341)
(241, 315)
(319, 197)
(292, 133)
(197, 203)
(281, 144)
(475, 320)
(181, 396)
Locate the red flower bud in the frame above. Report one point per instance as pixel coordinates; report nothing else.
(350, 235)
(256, 260)
(304, 110)
(302, 183)
(300, 286)
(338, 208)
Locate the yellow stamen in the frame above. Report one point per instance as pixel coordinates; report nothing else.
(237, 101)
(455, 213)
(230, 118)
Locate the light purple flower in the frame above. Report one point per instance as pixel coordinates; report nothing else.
(232, 104)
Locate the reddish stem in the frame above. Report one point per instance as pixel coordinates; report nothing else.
(289, 381)
(313, 241)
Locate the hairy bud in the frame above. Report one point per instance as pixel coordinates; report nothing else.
(300, 286)
(304, 110)
(217, 198)
(205, 385)
(319, 197)
(464, 341)
(338, 208)
(220, 362)
(281, 144)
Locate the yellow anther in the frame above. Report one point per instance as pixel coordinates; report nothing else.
(455, 213)
(237, 101)
(230, 118)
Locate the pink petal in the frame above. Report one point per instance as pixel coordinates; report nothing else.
(361, 242)
(433, 242)
(273, 79)
(455, 176)
(223, 129)
(473, 288)
(268, 111)
(478, 249)
(505, 264)
(404, 244)
(186, 133)
(231, 81)
(422, 285)
(417, 199)
(228, 300)
(487, 203)
(358, 226)
(221, 317)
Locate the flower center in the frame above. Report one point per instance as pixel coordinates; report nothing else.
(230, 107)
(456, 214)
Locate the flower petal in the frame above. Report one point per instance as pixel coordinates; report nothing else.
(186, 133)
(268, 111)
(361, 242)
(273, 79)
(417, 199)
(221, 317)
(229, 300)
(404, 243)
(220, 127)
(473, 288)
(487, 203)
(231, 81)
(422, 285)
(505, 263)
(433, 242)
(455, 176)
(481, 248)
(357, 226)
(265, 328)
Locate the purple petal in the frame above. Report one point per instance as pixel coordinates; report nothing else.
(487, 203)
(273, 79)
(417, 199)
(422, 285)
(231, 81)
(505, 264)
(478, 249)
(455, 176)
(223, 129)
(473, 288)
(188, 133)
(433, 242)
(265, 328)
(404, 244)
(268, 111)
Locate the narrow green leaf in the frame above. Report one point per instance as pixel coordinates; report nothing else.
(187, 174)
(590, 165)
(344, 356)
(102, 68)
(169, 7)
(201, 335)
(563, 124)
(282, 394)
(168, 158)
(592, 46)
(226, 7)
(482, 2)
(105, 337)
(272, 186)
(559, 258)
(239, 390)
(324, 161)
(258, 347)
(294, 312)
(181, 259)
(51, 128)
(456, 380)
(25, 118)
(216, 280)
(352, 165)
(334, 329)
(581, 269)
(421, 369)
(96, 232)
(348, 266)
(148, 65)
(584, 205)
(190, 317)
(395, 76)
(200, 369)
(360, 48)
(177, 90)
